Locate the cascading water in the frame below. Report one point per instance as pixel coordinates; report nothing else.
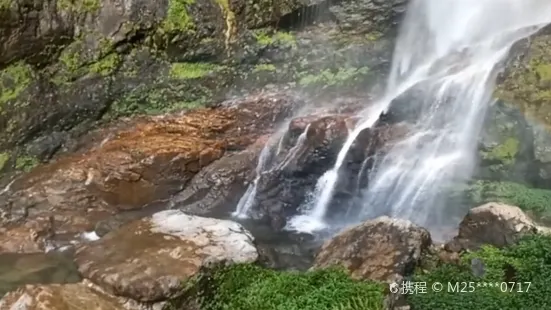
(448, 53)
(264, 161)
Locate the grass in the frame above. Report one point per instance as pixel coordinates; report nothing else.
(512, 268)
(249, 287)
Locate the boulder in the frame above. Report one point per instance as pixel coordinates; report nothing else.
(129, 170)
(58, 296)
(382, 249)
(149, 260)
(494, 224)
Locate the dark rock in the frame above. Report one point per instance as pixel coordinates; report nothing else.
(374, 17)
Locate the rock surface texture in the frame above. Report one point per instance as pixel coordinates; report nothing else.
(494, 224)
(383, 249)
(148, 260)
(130, 169)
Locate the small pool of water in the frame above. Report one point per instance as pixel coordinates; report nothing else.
(39, 268)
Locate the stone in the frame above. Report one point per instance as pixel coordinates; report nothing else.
(374, 17)
(382, 249)
(130, 169)
(494, 224)
(59, 297)
(149, 259)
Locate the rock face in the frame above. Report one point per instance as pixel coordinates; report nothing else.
(369, 16)
(383, 249)
(148, 260)
(57, 296)
(148, 162)
(493, 224)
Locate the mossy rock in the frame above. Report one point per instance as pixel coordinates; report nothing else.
(527, 83)
(250, 287)
(517, 277)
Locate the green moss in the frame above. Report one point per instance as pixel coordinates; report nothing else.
(106, 65)
(249, 287)
(534, 200)
(264, 67)
(504, 153)
(177, 17)
(526, 265)
(264, 38)
(5, 4)
(329, 77)
(13, 80)
(79, 5)
(229, 16)
(25, 163)
(192, 70)
(528, 85)
(4, 157)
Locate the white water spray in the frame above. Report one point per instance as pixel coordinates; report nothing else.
(447, 51)
(247, 200)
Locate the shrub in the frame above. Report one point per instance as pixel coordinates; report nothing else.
(249, 287)
(528, 261)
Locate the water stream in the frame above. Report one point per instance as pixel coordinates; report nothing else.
(448, 53)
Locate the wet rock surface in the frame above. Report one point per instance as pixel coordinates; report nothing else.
(134, 168)
(382, 249)
(58, 296)
(148, 260)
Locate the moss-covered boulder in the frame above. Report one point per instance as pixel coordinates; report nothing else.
(527, 80)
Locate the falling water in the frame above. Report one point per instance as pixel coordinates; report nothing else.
(247, 200)
(447, 51)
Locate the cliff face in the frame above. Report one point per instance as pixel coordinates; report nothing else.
(65, 65)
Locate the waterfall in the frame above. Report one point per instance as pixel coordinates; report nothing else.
(449, 53)
(247, 200)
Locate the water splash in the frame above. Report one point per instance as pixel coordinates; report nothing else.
(264, 160)
(448, 51)
(247, 200)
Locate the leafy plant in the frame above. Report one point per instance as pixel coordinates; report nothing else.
(511, 268)
(250, 287)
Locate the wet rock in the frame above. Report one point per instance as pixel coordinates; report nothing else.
(217, 188)
(148, 260)
(369, 16)
(383, 249)
(58, 296)
(39, 268)
(148, 162)
(493, 224)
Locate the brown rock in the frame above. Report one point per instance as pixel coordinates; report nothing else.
(58, 297)
(383, 249)
(494, 224)
(148, 260)
(149, 161)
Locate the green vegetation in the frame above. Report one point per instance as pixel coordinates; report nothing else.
(79, 5)
(4, 4)
(264, 67)
(249, 287)
(504, 153)
(13, 80)
(106, 65)
(284, 38)
(528, 85)
(192, 70)
(4, 157)
(328, 77)
(25, 163)
(527, 262)
(177, 17)
(153, 100)
(533, 200)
